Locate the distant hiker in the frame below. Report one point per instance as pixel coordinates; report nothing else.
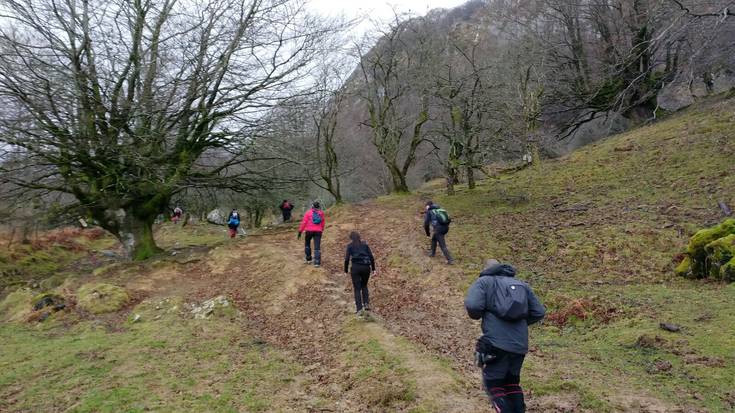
(233, 221)
(177, 214)
(363, 264)
(313, 224)
(506, 306)
(439, 220)
(286, 208)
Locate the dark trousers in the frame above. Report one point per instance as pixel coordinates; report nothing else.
(360, 277)
(286, 216)
(501, 379)
(438, 238)
(317, 237)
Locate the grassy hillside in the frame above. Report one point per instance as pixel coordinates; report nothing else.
(596, 233)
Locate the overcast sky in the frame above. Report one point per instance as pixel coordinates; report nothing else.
(378, 9)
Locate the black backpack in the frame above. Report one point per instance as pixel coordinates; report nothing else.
(509, 299)
(360, 255)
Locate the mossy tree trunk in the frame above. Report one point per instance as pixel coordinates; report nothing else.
(255, 217)
(137, 239)
(133, 227)
(398, 179)
(471, 184)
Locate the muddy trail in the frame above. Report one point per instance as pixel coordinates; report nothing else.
(419, 326)
(308, 312)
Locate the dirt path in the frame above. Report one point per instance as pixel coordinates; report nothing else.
(421, 341)
(309, 313)
(417, 296)
(422, 299)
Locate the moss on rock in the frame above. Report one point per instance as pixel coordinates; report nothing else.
(710, 253)
(719, 253)
(684, 269)
(727, 271)
(100, 298)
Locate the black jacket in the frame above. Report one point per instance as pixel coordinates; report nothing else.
(360, 255)
(431, 220)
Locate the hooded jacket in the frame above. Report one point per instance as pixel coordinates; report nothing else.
(431, 220)
(511, 336)
(307, 223)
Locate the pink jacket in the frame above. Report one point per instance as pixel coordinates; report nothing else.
(307, 224)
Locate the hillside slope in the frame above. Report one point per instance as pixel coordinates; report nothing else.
(596, 234)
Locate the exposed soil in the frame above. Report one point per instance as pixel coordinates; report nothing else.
(301, 309)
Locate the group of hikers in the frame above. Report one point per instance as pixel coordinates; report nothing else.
(233, 220)
(506, 305)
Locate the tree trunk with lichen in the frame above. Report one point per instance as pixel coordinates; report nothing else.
(132, 223)
(471, 183)
(134, 232)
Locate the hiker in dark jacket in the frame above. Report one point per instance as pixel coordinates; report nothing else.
(504, 343)
(363, 263)
(439, 231)
(286, 208)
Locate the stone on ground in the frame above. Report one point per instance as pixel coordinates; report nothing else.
(217, 306)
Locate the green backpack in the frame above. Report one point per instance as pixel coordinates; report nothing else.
(442, 216)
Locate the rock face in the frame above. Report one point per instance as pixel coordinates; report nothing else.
(603, 125)
(711, 253)
(216, 217)
(681, 94)
(100, 298)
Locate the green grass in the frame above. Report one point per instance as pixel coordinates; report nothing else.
(170, 364)
(377, 376)
(604, 225)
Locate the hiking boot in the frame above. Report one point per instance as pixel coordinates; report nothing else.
(450, 262)
(307, 261)
(360, 315)
(317, 265)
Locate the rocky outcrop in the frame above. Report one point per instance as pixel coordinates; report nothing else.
(216, 217)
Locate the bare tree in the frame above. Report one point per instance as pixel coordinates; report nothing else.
(394, 83)
(126, 103)
(327, 105)
(465, 102)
